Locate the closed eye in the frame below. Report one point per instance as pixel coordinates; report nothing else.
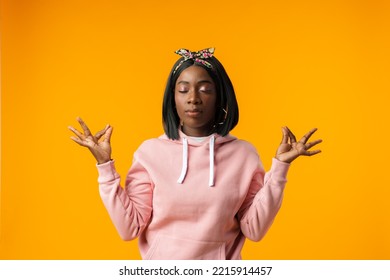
(207, 90)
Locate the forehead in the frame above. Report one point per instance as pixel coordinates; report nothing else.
(194, 74)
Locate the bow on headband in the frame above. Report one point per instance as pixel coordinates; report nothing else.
(198, 56)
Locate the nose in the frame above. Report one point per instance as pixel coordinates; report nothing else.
(193, 97)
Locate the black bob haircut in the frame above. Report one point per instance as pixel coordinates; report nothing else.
(226, 111)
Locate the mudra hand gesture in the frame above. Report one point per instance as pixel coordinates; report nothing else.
(98, 144)
(290, 149)
(100, 147)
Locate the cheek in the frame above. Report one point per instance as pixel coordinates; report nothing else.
(211, 103)
(178, 98)
(178, 105)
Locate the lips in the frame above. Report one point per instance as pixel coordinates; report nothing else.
(193, 112)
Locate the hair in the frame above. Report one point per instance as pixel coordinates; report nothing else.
(226, 111)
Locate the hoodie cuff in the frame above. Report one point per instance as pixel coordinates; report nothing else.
(107, 172)
(279, 169)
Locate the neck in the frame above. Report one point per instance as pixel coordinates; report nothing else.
(197, 132)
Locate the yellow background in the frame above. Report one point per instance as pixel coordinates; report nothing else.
(303, 64)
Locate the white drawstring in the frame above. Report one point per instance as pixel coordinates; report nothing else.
(185, 161)
(211, 178)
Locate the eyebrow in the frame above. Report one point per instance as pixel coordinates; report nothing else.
(199, 82)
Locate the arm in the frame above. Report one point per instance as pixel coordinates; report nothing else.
(265, 194)
(130, 208)
(263, 200)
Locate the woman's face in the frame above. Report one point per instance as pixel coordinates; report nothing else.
(195, 98)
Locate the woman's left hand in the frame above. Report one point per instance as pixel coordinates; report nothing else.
(290, 149)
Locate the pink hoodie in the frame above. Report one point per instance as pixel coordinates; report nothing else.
(186, 199)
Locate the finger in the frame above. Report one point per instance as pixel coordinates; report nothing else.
(87, 132)
(285, 135)
(292, 136)
(312, 144)
(107, 136)
(307, 135)
(101, 132)
(78, 141)
(78, 133)
(312, 153)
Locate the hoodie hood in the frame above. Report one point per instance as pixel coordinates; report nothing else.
(213, 141)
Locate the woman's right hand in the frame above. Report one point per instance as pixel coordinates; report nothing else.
(101, 150)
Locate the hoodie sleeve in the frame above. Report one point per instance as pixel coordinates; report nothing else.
(129, 208)
(263, 200)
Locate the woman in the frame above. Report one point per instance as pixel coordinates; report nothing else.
(195, 192)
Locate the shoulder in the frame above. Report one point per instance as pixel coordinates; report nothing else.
(241, 150)
(242, 145)
(152, 145)
(244, 153)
